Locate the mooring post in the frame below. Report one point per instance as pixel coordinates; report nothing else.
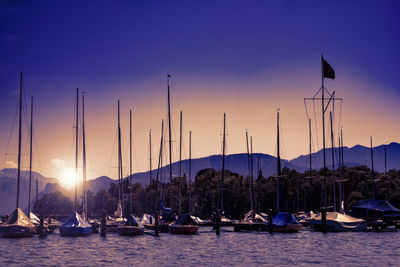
(217, 222)
(323, 218)
(270, 215)
(103, 224)
(41, 225)
(156, 224)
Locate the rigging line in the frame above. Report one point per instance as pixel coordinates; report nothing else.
(317, 157)
(12, 128)
(317, 92)
(111, 173)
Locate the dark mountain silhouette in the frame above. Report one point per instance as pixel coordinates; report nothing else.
(355, 156)
(237, 163)
(8, 188)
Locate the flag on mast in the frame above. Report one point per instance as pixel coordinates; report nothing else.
(327, 70)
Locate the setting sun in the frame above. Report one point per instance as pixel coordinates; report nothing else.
(67, 177)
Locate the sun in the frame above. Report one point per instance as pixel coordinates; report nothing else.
(67, 177)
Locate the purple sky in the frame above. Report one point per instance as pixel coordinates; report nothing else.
(255, 55)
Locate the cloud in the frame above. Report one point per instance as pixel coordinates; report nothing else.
(58, 163)
(11, 164)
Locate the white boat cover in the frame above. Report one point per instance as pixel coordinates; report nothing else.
(75, 220)
(340, 222)
(18, 217)
(118, 212)
(35, 219)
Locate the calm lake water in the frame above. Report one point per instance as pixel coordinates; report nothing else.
(206, 249)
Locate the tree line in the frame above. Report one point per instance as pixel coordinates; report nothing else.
(299, 192)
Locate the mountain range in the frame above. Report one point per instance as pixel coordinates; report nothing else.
(237, 163)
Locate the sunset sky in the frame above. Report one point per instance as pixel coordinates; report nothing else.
(245, 58)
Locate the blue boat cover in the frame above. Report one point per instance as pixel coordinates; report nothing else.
(283, 219)
(131, 221)
(166, 213)
(186, 219)
(381, 206)
(75, 220)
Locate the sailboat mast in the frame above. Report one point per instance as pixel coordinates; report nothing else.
(323, 124)
(76, 148)
(373, 175)
(333, 164)
(223, 169)
(159, 169)
(85, 214)
(309, 130)
(19, 139)
(150, 165)
(251, 177)
(119, 159)
(190, 170)
(249, 166)
(341, 142)
(278, 167)
(180, 163)
(169, 138)
(30, 161)
(130, 161)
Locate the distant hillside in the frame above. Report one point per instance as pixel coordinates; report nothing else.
(355, 156)
(8, 188)
(236, 163)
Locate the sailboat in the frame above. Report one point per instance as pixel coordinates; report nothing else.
(132, 225)
(252, 220)
(18, 224)
(76, 225)
(185, 223)
(335, 221)
(113, 224)
(283, 222)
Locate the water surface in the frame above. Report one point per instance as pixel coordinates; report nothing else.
(206, 249)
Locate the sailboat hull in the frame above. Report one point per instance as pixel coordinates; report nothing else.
(75, 231)
(15, 231)
(180, 229)
(290, 228)
(130, 230)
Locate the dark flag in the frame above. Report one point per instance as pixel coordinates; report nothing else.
(327, 70)
(169, 76)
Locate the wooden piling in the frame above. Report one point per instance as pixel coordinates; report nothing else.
(156, 230)
(323, 218)
(217, 223)
(103, 225)
(270, 214)
(41, 225)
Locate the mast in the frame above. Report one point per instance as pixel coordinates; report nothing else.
(37, 193)
(30, 162)
(19, 139)
(180, 163)
(119, 159)
(333, 164)
(323, 125)
(76, 147)
(130, 162)
(190, 169)
(309, 130)
(159, 164)
(278, 167)
(386, 191)
(251, 177)
(341, 140)
(250, 172)
(169, 141)
(85, 210)
(150, 167)
(223, 170)
(373, 175)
